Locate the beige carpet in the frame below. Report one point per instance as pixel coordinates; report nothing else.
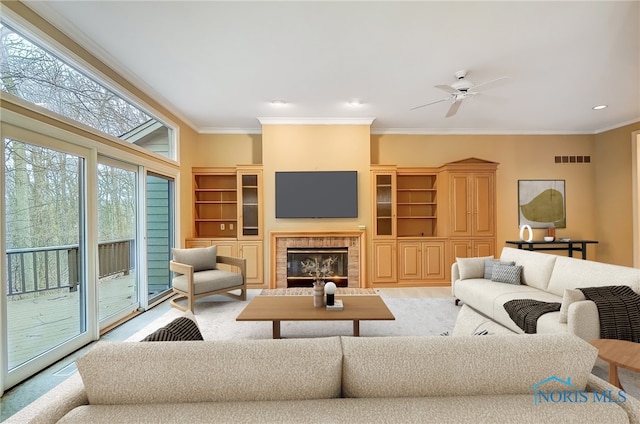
(308, 291)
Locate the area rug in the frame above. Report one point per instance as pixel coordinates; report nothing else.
(216, 316)
(308, 291)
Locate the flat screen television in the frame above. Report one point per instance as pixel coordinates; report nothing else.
(317, 194)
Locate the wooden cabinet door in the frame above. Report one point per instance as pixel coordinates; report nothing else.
(252, 252)
(484, 247)
(460, 205)
(460, 249)
(410, 259)
(483, 205)
(433, 257)
(384, 262)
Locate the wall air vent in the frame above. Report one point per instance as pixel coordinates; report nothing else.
(572, 159)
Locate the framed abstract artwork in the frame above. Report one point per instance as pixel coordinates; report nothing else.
(541, 203)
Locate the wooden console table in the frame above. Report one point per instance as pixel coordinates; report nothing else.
(569, 246)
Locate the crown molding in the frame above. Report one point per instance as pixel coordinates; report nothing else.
(315, 121)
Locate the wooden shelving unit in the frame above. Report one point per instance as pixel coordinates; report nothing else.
(416, 204)
(215, 205)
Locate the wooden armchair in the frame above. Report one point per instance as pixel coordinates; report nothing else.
(198, 276)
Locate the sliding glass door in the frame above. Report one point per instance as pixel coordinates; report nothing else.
(160, 235)
(117, 280)
(46, 250)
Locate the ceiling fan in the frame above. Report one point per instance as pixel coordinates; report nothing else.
(460, 90)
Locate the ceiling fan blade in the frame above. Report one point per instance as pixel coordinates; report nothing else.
(447, 88)
(453, 109)
(431, 103)
(488, 84)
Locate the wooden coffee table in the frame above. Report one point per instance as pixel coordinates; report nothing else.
(618, 353)
(300, 308)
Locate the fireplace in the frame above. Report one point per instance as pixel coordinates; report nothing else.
(280, 242)
(305, 264)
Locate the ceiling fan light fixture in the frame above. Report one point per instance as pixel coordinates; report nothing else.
(599, 107)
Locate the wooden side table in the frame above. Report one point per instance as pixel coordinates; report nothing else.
(618, 353)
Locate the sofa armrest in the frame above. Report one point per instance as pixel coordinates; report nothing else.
(583, 320)
(53, 405)
(630, 404)
(241, 263)
(455, 276)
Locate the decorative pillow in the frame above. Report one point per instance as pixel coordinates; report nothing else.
(488, 267)
(570, 296)
(180, 329)
(200, 258)
(472, 267)
(506, 273)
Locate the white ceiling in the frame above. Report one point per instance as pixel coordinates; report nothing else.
(218, 65)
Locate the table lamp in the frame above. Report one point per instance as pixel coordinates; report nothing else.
(330, 291)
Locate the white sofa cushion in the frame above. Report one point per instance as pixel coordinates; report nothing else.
(391, 367)
(536, 266)
(472, 267)
(212, 371)
(571, 273)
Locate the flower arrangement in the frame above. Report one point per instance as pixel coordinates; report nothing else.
(318, 269)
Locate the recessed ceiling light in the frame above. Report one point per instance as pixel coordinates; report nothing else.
(599, 107)
(278, 102)
(354, 103)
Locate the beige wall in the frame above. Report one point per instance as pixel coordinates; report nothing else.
(613, 194)
(210, 150)
(526, 157)
(607, 177)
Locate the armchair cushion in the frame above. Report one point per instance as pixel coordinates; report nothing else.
(200, 258)
(208, 281)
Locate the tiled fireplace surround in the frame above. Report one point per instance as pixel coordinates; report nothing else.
(281, 240)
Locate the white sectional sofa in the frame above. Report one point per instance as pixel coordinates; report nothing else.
(469, 379)
(544, 277)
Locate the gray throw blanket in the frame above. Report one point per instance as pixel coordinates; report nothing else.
(525, 312)
(619, 311)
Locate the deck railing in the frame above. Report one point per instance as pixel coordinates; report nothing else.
(54, 267)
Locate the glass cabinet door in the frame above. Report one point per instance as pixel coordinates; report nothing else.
(384, 204)
(250, 204)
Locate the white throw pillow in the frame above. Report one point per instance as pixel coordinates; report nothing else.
(570, 296)
(472, 267)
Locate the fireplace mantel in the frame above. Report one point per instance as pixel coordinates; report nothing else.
(280, 240)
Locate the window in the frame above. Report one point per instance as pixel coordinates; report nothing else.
(29, 71)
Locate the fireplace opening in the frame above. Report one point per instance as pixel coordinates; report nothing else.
(307, 264)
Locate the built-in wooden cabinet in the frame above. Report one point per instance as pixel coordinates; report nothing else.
(421, 260)
(424, 218)
(227, 212)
